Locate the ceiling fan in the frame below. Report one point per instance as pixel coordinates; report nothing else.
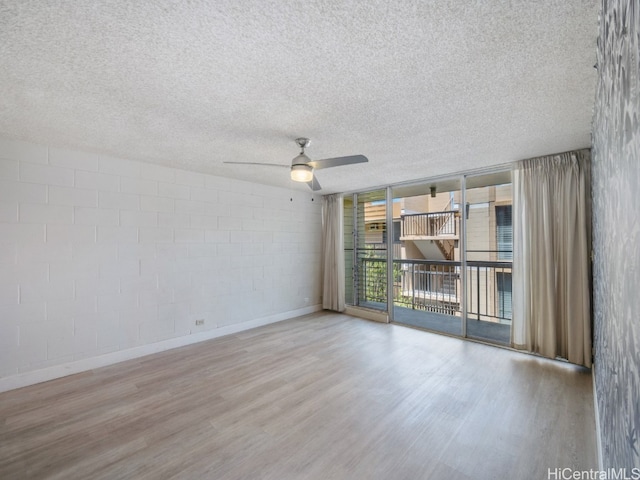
(302, 167)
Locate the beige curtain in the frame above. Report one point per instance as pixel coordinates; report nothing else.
(551, 270)
(333, 253)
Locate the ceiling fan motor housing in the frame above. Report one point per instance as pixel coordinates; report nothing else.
(301, 159)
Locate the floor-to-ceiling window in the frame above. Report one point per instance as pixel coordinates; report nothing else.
(450, 242)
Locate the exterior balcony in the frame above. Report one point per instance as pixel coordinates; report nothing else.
(434, 234)
(428, 294)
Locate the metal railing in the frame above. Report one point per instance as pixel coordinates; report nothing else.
(431, 224)
(489, 291)
(428, 285)
(434, 286)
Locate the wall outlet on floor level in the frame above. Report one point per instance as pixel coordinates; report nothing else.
(306, 299)
(200, 322)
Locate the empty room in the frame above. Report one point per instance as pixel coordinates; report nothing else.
(319, 240)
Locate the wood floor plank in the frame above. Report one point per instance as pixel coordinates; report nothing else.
(325, 396)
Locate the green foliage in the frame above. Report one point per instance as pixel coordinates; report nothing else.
(372, 271)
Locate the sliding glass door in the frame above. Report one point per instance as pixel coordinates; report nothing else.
(427, 256)
(488, 255)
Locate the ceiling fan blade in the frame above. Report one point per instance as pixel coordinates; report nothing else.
(338, 161)
(313, 184)
(258, 163)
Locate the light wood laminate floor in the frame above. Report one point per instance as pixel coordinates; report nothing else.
(325, 396)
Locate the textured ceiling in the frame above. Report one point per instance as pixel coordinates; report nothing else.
(423, 88)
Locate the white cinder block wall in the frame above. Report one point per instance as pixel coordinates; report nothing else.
(104, 259)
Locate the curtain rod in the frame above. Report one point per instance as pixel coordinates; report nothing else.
(450, 176)
(554, 154)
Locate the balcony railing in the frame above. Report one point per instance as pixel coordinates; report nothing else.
(431, 224)
(434, 286)
(489, 291)
(428, 285)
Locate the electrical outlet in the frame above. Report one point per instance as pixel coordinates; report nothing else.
(200, 322)
(306, 299)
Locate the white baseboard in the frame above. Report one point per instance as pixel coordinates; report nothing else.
(597, 413)
(57, 371)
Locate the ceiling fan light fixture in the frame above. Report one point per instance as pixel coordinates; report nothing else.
(301, 173)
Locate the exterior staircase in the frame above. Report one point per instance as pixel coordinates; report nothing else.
(433, 228)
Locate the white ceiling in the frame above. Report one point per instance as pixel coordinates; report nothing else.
(422, 88)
